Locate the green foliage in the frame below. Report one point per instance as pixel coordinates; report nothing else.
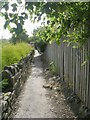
(52, 67)
(16, 18)
(0, 55)
(22, 37)
(37, 40)
(4, 84)
(69, 20)
(41, 45)
(13, 53)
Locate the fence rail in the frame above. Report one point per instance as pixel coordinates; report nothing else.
(68, 62)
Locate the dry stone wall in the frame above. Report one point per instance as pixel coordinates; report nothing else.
(17, 75)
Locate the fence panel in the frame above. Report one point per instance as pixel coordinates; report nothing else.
(68, 62)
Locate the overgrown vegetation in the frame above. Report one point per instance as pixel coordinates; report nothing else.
(0, 55)
(70, 20)
(37, 40)
(52, 68)
(4, 85)
(13, 53)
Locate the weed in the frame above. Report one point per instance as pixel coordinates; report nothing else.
(13, 53)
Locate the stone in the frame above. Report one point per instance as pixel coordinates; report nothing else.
(71, 99)
(4, 105)
(58, 78)
(6, 98)
(10, 100)
(5, 116)
(16, 67)
(20, 65)
(1, 97)
(58, 89)
(10, 68)
(46, 86)
(87, 117)
(26, 59)
(9, 110)
(77, 100)
(15, 75)
(8, 93)
(6, 74)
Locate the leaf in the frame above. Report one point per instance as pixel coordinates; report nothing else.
(39, 17)
(75, 46)
(58, 42)
(19, 28)
(68, 44)
(6, 24)
(8, 27)
(10, 14)
(6, 6)
(84, 63)
(24, 15)
(14, 7)
(1, 14)
(6, 16)
(13, 30)
(48, 21)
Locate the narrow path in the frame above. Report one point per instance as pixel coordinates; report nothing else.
(34, 101)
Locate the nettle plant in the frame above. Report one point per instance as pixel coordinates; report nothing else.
(64, 19)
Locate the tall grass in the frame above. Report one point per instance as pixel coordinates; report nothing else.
(13, 53)
(0, 55)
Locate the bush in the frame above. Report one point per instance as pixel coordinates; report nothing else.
(52, 67)
(13, 53)
(41, 45)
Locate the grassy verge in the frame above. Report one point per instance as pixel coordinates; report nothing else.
(13, 53)
(10, 54)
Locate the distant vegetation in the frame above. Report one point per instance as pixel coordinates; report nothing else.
(39, 42)
(13, 53)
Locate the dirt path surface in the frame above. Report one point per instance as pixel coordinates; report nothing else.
(35, 101)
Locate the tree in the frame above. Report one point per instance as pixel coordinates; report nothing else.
(23, 36)
(16, 19)
(39, 42)
(64, 19)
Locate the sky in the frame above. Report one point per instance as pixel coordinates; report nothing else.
(4, 33)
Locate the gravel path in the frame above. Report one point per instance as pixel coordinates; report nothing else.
(34, 100)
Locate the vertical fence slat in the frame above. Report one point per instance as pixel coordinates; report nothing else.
(68, 63)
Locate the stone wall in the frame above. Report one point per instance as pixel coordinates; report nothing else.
(16, 74)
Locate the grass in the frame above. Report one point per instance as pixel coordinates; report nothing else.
(13, 53)
(10, 54)
(0, 55)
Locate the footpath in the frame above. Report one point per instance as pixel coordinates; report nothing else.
(35, 101)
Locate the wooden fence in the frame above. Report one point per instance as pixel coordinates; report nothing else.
(68, 62)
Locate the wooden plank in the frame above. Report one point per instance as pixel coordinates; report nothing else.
(68, 62)
(74, 70)
(88, 76)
